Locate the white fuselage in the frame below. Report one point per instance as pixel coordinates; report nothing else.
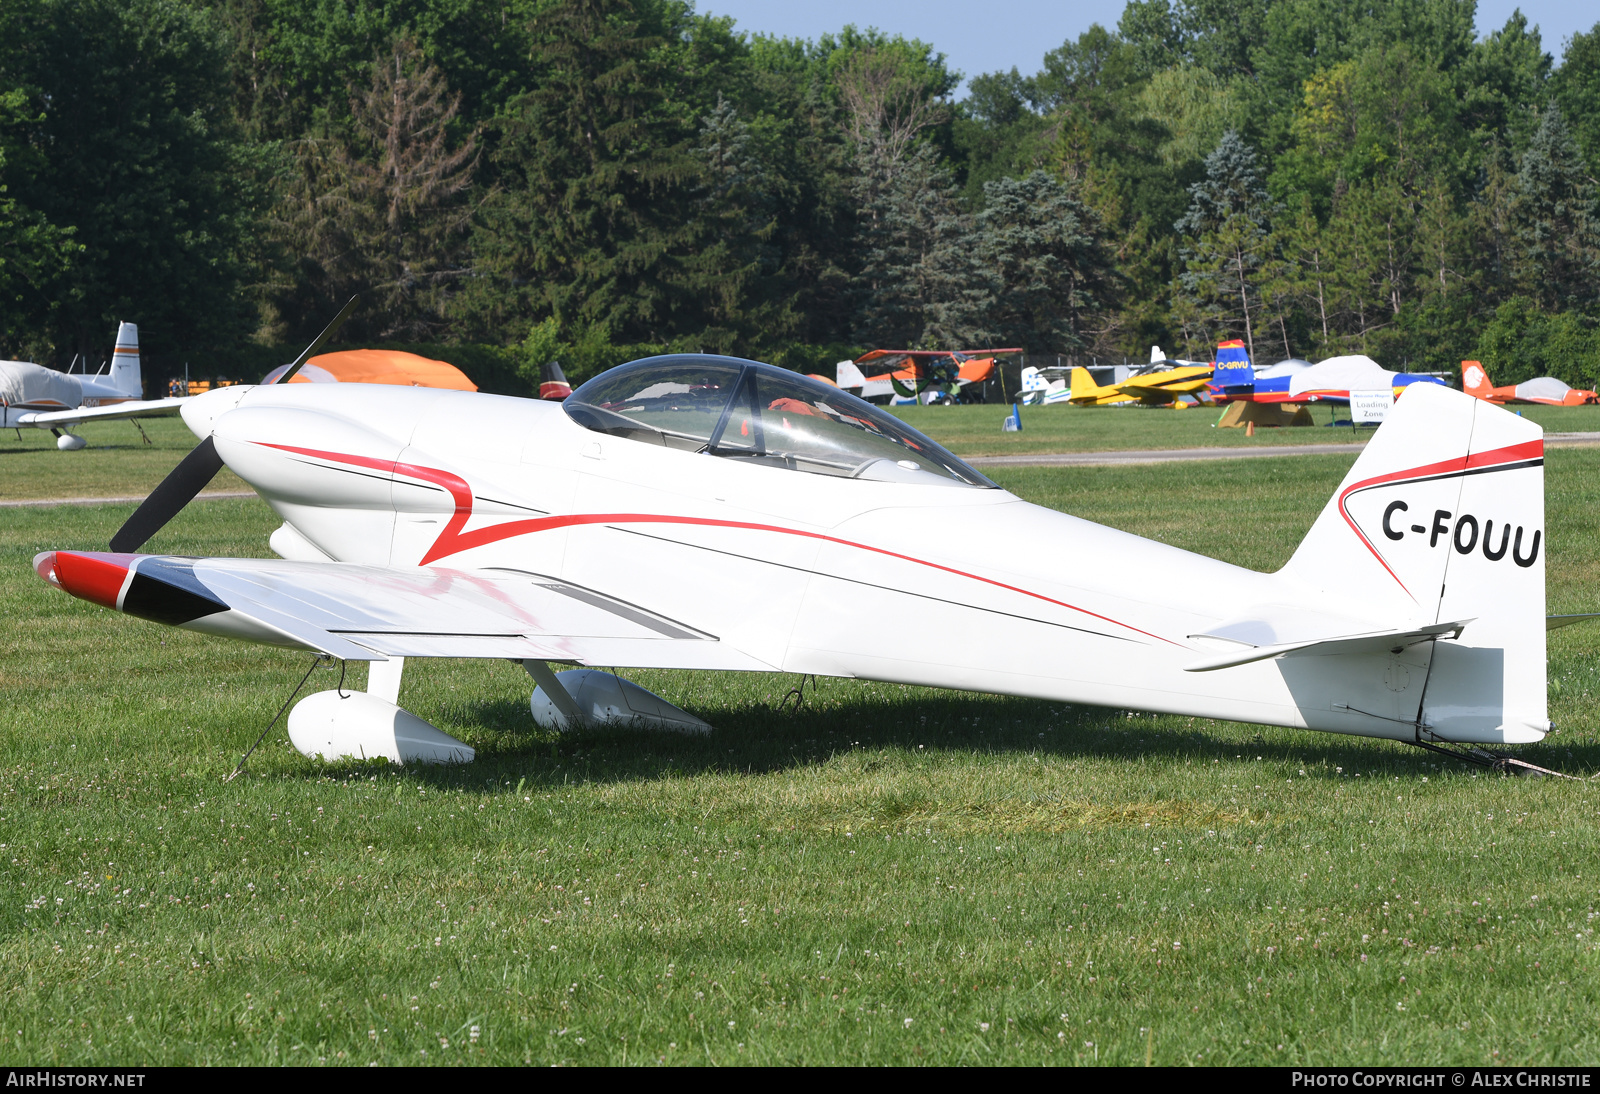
(33, 388)
(948, 586)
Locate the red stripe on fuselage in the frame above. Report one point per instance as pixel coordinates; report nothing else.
(453, 540)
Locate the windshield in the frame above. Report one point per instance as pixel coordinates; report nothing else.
(768, 416)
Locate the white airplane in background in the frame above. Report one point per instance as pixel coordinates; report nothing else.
(42, 398)
(700, 512)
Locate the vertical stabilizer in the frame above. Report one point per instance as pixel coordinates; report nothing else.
(125, 374)
(1442, 520)
(1475, 379)
(848, 376)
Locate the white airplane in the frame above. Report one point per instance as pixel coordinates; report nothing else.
(42, 398)
(702, 512)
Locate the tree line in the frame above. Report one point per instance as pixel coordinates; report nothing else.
(597, 179)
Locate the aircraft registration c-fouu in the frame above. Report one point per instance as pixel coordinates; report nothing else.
(700, 512)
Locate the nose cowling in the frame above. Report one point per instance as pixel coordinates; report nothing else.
(200, 413)
(309, 457)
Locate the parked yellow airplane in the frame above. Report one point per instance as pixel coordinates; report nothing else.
(1151, 388)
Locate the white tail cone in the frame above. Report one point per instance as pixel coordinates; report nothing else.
(604, 698)
(335, 725)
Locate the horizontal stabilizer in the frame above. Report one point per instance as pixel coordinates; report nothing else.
(1555, 622)
(1372, 642)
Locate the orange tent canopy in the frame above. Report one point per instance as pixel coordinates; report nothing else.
(378, 366)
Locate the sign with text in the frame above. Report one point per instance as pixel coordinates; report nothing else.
(1371, 406)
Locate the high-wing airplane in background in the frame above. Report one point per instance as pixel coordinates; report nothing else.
(700, 512)
(1544, 390)
(42, 398)
(882, 374)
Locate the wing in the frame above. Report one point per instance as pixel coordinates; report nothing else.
(133, 408)
(372, 613)
(1170, 381)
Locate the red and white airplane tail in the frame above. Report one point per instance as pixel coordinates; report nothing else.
(1441, 523)
(125, 374)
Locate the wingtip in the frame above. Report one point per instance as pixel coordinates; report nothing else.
(96, 576)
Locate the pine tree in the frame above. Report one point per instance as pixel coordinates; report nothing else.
(733, 263)
(916, 279)
(1557, 218)
(381, 213)
(593, 218)
(407, 191)
(1447, 311)
(1055, 280)
(914, 283)
(1504, 74)
(1298, 278)
(1227, 239)
(1491, 221)
(1376, 228)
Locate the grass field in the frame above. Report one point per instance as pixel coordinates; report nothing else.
(975, 430)
(117, 462)
(892, 875)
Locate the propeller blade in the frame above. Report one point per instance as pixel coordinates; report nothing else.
(200, 466)
(178, 489)
(327, 333)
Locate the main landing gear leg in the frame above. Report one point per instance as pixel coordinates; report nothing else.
(383, 679)
(556, 691)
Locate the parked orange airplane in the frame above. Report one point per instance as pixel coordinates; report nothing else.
(884, 373)
(1542, 389)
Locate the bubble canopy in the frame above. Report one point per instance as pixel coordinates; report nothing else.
(763, 415)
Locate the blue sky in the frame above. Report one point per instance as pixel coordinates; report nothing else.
(988, 35)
